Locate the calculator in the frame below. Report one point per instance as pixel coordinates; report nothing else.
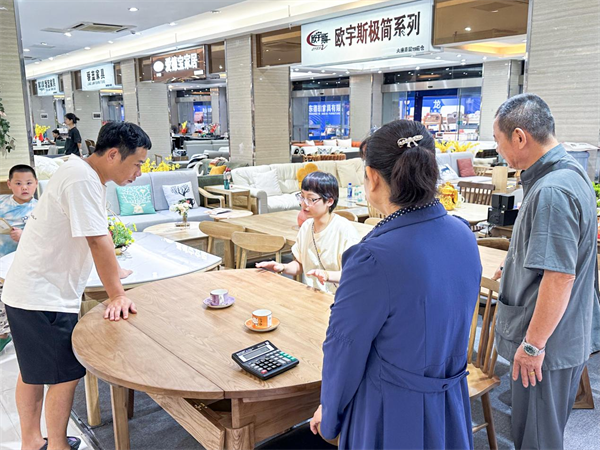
(264, 360)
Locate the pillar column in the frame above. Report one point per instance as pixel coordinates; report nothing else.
(563, 67)
(86, 103)
(13, 89)
(500, 82)
(129, 82)
(366, 104)
(258, 104)
(69, 91)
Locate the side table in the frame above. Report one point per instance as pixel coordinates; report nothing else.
(190, 235)
(229, 194)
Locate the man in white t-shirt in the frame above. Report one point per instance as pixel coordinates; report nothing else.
(65, 235)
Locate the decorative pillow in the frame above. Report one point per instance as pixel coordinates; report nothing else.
(465, 167)
(447, 173)
(356, 144)
(309, 142)
(175, 192)
(135, 200)
(330, 142)
(268, 182)
(344, 142)
(301, 174)
(217, 170)
(347, 174)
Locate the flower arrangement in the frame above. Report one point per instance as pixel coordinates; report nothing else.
(164, 166)
(6, 142)
(121, 234)
(182, 208)
(40, 130)
(454, 146)
(184, 127)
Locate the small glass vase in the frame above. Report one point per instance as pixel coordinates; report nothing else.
(184, 221)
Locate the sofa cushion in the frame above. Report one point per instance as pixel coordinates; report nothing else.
(243, 176)
(134, 200)
(465, 167)
(327, 167)
(174, 193)
(286, 174)
(459, 155)
(350, 171)
(218, 170)
(111, 193)
(330, 142)
(344, 142)
(283, 202)
(160, 179)
(267, 182)
(447, 173)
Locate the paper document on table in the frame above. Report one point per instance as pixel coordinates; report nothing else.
(5, 227)
(219, 211)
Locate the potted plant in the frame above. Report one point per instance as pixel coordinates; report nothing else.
(121, 234)
(6, 142)
(182, 208)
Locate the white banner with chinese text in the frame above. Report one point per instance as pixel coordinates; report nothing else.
(99, 77)
(47, 85)
(393, 32)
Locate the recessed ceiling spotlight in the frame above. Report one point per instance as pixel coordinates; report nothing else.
(296, 70)
(447, 68)
(495, 11)
(110, 42)
(417, 68)
(67, 34)
(37, 62)
(44, 43)
(172, 24)
(322, 71)
(26, 50)
(347, 72)
(380, 71)
(463, 60)
(87, 48)
(524, 40)
(463, 64)
(309, 72)
(334, 73)
(220, 67)
(468, 29)
(458, 56)
(138, 33)
(133, 9)
(484, 58)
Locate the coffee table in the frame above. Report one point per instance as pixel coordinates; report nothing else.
(190, 235)
(233, 214)
(230, 194)
(471, 212)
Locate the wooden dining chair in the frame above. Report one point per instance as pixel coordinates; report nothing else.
(375, 213)
(373, 221)
(499, 243)
(223, 231)
(256, 242)
(481, 359)
(347, 215)
(208, 196)
(478, 193)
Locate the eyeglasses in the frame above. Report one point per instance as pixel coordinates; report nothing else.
(307, 201)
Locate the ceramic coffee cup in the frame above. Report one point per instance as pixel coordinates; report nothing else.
(262, 318)
(217, 297)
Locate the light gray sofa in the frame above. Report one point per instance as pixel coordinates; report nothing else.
(195, 147)
(451, 158)
(157, 180)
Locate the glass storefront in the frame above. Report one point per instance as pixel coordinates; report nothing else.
(321, 117)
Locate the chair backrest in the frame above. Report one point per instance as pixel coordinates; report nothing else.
(485, 355)
(373, 221)
(257, 242)
(347, 215)
(499, 243)
(224, 231)
(375, 213)
(478, 193)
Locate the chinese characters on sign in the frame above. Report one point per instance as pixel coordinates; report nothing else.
(96, 78)
(47, 85)
(379, 34)
(179, 65)
(324, 108)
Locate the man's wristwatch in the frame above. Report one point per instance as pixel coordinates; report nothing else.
(531, 349)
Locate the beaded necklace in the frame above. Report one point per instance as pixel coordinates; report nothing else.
(402, 212)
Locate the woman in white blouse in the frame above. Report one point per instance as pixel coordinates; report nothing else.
(323, 237)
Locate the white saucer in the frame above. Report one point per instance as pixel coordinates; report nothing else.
(229, 300)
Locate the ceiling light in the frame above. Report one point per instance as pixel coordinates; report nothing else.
(334, 73)
(87, 48)
(417, 68)
(380, 71)
(172, 24)
(322, 71)
(296, 70)
(44, 43)
(484, 58)
(468, 29)
(462, 64)
(26, 50)
(347, 72)
(110, 42)
(309, 72)
(67, 34)
(37, 62)
(438, 57)
(133, 9)
(462, 60)
(138, 33)
(495, 11)
(220, 67)
(458, 56)
(447, 68)
(524, 40)
(215, 11)
(51, 58)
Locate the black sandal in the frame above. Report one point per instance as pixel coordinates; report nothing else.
(73, 442)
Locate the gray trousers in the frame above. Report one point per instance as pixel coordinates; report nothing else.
(540, 413)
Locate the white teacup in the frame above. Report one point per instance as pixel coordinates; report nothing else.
(217, 296)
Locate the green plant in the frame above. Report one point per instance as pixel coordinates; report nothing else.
(122, 235)
(6, 142)
(597, 189)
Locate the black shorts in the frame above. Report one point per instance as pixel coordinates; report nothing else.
(43, 345)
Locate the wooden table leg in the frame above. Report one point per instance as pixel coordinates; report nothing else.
(119, 397)
(585, 397)
(130, 403)
(92, 400)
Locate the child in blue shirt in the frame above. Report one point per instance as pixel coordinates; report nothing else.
(15, 209)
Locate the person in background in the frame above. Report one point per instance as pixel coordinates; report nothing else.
(57, 138)
(15, 209)
(547, 303)
(73, 143)
(395, 353)
(46, 280)
(323, 237)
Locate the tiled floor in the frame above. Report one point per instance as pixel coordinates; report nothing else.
(10, 434)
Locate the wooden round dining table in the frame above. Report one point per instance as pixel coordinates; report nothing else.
(179, 353)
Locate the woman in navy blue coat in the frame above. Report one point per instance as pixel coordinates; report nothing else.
(395, 355)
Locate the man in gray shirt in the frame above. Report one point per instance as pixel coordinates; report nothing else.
(547, 293)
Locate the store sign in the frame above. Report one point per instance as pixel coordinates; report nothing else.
(99, 77)
(403, 30)
(47, 85)
(189, 63)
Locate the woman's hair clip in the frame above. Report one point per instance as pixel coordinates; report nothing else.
(409, 141)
